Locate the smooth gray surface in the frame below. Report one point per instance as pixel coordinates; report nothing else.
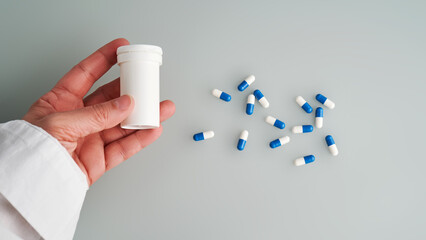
(368, 56)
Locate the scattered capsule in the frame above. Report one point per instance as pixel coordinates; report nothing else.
(319, 117)
(303, 129)
(331, 145)
(262, 100)
(221, 95)
(304, 160)
(303, 104)
(242, 141)
(327, 102)
(246, 83)
(203, 135)
(275, 122)
(250, 104)
(279, 142)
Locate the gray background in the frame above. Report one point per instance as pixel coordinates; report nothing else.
(367, 56)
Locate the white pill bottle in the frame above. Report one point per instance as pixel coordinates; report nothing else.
(140, 78)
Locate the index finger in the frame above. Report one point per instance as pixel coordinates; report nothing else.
(81, 77)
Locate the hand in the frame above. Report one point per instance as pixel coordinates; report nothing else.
(88, 128)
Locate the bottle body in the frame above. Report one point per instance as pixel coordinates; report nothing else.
(140, 78)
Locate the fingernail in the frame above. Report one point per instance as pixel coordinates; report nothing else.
(123, 102)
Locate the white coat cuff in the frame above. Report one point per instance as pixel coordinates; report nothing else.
(40, 179)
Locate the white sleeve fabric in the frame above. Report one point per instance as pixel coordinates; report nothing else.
(12, 221)
(41, 182)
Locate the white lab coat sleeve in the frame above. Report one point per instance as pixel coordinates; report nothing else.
(41, 181)
(11, 221)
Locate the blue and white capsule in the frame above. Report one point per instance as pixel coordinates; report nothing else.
(303, 129)
(327, 102)
(262, 100)
(304, 160)
(243, 140)
(250, 104)
(331, 145)
(203, 135)
(246, 83)
(319, 117)
(275, 122)
(279, 142)
(221, 95)
(304, 104)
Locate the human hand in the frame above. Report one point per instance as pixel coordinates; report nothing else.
(88, 127)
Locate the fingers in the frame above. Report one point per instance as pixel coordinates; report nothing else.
(115, 133)
(120, 150)
(92, 119)
(92, 158)
(167, 109)
(126, 146)
(104, 93)
(81, 77)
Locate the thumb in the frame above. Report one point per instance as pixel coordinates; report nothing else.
(96, 118)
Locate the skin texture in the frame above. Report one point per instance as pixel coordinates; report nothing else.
(88, 128)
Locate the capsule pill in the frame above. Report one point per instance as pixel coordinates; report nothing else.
(203, 135)
(246, 83)
(319, 117)
(303, 104)
(262, 100)
(221, 95)
(304, 160)
(303, 129)
(250, 104)
(331, 145)
(243, 140)
(279, 142)
(327, 102)
(275, 122)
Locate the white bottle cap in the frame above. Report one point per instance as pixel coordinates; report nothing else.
(139, 52)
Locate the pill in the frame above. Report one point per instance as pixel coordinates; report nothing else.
(279, 142)
(304, 160)
(203, 135)
(303, 104)
(242, 141)
(327, 102)
(303, 129)
(250, 104)
(331, 145)
(319, 117)
(246, 83)
(221, 95)
(262, 100)
(275, 122)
